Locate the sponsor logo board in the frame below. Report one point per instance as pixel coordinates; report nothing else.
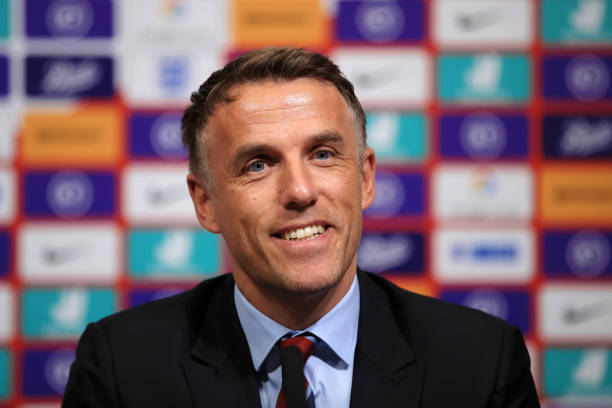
(397, 194)
(7, 313)
(577, 136)
(45, 372)
(385, 77)
(380, 22)
(84, 137)
(8, 196)
(140, 296)
(259, 24)
(582, 253)
(483, 23)
(483, 256)
(5, 374)
(397, 137)
(69, 76)
(402, 252)
(483, 136)
(510, 305)
(157, 194)
(576, 194)
(482, 192)
(483, 78)
(69, 252)
(583, 78)
(69, 194)
(5, 253)
(155, 23)
(156, 78)
(578, 372)
(570, 313)
(69, 18)
(173, 254)
(63, 313)
(576, 21)
(9, 117)
(156, 136)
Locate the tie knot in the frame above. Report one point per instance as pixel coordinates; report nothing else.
(306, 346)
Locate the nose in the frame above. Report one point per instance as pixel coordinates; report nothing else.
(297, 187)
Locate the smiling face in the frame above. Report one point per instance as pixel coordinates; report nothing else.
(289, 190)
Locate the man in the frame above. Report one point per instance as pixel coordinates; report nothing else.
(280, 168)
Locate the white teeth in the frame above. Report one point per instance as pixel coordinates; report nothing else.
(302, 234)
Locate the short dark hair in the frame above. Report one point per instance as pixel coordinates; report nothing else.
(279, 64)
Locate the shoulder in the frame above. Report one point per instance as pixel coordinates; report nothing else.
(181, 313)
(428, 322)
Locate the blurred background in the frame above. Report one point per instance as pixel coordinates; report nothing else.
(491, 120)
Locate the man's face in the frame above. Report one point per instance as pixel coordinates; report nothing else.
(289, 190)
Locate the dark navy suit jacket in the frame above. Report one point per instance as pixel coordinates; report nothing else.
(189, 351)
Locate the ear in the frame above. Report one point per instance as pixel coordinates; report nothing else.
(368, 171)
(202, 203)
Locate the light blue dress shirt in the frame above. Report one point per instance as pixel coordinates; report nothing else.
(329, 370)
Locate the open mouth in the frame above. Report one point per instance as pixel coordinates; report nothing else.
(303, 234)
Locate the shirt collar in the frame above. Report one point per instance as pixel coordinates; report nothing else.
(262, 333)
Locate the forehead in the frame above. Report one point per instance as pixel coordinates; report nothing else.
(257, 106)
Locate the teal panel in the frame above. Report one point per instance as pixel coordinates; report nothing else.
(63, 313)
(484, 78)
(5, 19)
(397, 136)
(576, 21)
(173, 253)
(5, 368)
(577, 372)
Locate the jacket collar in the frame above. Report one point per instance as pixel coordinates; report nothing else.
(386, 372)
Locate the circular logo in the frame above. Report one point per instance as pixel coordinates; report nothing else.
(166, 138)
(378, 253)
(389, 196)
(379, 22)
(69, 17)
(488, 301)
(57, 368)
(483, 136)
(70, 194)
(588, 254)
(587, 78)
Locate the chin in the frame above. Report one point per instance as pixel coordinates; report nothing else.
(312, 282)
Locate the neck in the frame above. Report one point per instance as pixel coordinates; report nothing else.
(295, 310)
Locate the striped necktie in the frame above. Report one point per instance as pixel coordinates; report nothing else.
(305, 346)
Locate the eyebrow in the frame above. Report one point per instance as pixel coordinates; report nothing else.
(254, 149)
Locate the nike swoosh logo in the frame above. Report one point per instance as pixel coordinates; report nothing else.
(478, 20)
(59, 256)
(379, 76)
(166, 195)
(575, 315)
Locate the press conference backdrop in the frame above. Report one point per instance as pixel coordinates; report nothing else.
(491, 119)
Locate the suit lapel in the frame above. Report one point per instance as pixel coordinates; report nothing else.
(386, 372)
(219, 369)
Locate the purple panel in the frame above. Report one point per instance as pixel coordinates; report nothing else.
(398, 194)
(69, 77)
(45, 372)
(69, 194)
(140, 296)
(5, 253)
(584, 254)
(380, 21)
(512, 306)
(584, 78)
(69, 18)
(4, 75)
(392, 252)
(156, 136)
(577, 136)
(484, 136)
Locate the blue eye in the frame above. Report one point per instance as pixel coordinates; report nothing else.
(256, 166)
(322, 155)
